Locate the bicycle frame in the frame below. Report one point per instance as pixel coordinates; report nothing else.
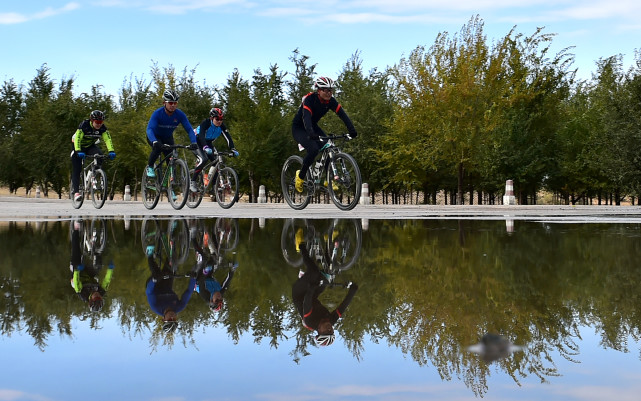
(172, 179)
(89, 184)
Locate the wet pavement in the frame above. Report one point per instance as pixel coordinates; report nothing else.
(16, 208)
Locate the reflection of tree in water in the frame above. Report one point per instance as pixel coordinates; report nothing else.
(420, 290)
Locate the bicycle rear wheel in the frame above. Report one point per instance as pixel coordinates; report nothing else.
(98, 188)
(344, 241)
(74, 203)
(296, 200)
(226, 187)
(194, 198)
(344, 183)
(150, 190)
(178, 186)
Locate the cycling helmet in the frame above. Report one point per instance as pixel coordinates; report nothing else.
(216, 113)
(323, 83)
(323, 340)
(169, 327)
(97, 115)
(96, 303)
(170, 96)
(216, 305)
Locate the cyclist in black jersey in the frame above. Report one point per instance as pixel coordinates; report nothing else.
(315, 315)
(305, 127)
(85, 143)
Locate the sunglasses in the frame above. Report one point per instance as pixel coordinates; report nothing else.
(326, 90)
(218, 119)
(98, 121)
(172, 103)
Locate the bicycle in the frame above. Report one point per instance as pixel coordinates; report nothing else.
(339, 170)
(93, 177)
(335, 248)
(174, 179)
(172, 240)
(223, 181)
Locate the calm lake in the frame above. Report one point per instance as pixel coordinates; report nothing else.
(429, 309)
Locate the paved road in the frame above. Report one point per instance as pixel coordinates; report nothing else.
(17, 208)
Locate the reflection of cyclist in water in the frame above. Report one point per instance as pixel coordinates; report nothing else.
(207, 286)
(305, 293)
(85, 274)
(160, 292)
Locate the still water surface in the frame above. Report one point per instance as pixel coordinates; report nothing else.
(557, 305)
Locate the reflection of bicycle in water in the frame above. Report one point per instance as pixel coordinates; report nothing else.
(213, 242)
(334, 244)
(88, 243)
(320, 255)
(166, 237)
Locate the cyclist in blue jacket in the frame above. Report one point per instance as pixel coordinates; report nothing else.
(160, 131)
(207, 132)
(305, 127)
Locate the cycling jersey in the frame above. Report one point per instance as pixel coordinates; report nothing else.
(208, 132)
(161, 125)
(86, 135)
(312, 109)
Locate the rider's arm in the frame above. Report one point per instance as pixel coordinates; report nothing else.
(307, 116)
(77, 139)
(106, 136)
(340, 112)
(107, 280)
(227, 135)
(348, 298)
(201, 132)
(186, 125)
(152, 125)
(186, 295)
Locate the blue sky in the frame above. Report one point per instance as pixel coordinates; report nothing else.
(107, 41)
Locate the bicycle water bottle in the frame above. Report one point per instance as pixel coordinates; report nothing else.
(317, 169)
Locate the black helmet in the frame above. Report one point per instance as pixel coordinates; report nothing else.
(97, 115)
(96, 302)
(216, 113)
(169, 327)
(170, 96)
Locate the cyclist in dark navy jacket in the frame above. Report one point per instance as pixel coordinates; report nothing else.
(305, 127)
(207, 132)
(160, 131)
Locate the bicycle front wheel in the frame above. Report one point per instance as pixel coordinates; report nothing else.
(226, 187)
(178, 186)
(194, 198)
(98, 188)
(296, 200)
(344, 182)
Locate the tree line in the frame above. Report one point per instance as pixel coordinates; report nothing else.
(458, 118)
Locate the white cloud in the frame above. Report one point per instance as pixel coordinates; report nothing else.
(16, 18)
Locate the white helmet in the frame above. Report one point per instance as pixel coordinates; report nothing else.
(323, 82)
(323, 340)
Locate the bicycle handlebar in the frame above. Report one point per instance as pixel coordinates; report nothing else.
(168, 147)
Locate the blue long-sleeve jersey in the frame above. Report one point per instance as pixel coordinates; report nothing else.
(162, 126)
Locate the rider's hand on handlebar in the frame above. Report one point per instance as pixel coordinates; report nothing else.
(208, 150)
(81, 155)
(235, 152)
(112, 155)
(156, 145)
(193, 146)
(352, 134)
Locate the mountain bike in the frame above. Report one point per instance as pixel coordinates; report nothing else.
(173, 179)
(93, 182)
(217, 239)
(93, 237)
(223, 182)
(334, 172)
(170, 238)
(335, 247)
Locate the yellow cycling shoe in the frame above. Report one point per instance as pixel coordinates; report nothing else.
(299, 182)
(300, 237)
(334, 185)
(334, 235)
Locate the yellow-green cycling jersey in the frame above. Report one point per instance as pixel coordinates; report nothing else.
(86, 135)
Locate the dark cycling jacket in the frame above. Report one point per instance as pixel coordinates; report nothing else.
(208, 132)
(312, 109)
(161, 125)
(161, 297)
(305, 294)
(86, 136)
